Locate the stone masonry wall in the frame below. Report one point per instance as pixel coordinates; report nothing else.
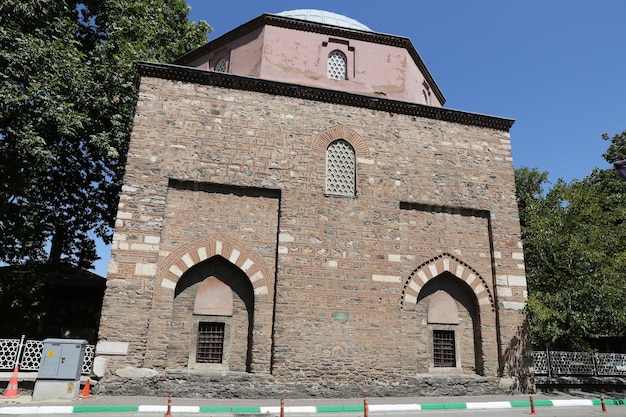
(345, 268)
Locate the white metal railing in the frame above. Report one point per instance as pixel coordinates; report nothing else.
(30, 356)
(553, 363)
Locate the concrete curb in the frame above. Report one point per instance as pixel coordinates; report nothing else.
(373, 408)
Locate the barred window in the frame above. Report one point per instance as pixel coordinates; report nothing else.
(222, 66)
(210, 348)
(444, 350)
(337, 65)
(340, 168)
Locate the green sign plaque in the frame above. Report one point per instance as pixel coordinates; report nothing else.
(341, 316)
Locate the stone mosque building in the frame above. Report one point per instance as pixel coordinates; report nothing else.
(301, 216)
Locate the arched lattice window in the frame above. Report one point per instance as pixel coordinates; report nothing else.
(337, 65)
(222, 66)
(340, 168)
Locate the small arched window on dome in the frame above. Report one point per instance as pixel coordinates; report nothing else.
(337, 65)
(222, 66)
(340, 168)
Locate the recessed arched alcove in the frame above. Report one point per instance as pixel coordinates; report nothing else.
(212, 318)
(449, 314)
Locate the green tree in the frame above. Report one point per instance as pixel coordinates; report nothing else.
(529, 185)
(617, 148)
(68, 88)
(575, 255)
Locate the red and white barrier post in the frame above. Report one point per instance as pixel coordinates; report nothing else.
(603, 404)
(169, 407)
(532, 406)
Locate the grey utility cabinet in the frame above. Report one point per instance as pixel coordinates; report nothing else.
(62, 359)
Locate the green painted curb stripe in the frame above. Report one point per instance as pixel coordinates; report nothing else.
(454, 406)
(329, 409)
(104, 408)
(432, 406)
(352, 408)
(526, 404)
(215, 409)
(338, 408)
(246, 409)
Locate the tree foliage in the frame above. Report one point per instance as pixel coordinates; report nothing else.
(575, 254)
(67, 95)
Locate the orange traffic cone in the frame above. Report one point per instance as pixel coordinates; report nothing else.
(85, 392)
(11, 391)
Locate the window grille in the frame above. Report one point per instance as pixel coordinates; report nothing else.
(340, 167)
(337, 65)
(222, 66)
(210, 348)
(444, 351)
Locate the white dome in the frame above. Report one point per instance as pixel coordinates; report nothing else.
(327, 18)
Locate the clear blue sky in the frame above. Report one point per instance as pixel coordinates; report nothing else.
(557, 67)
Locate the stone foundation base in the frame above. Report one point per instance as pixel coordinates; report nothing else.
(251, 386)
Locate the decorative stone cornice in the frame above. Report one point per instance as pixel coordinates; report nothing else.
(308, 26)
(220, 79)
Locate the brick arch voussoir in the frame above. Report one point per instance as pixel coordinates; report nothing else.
(447, 263)
(327, 136)
(196, 251)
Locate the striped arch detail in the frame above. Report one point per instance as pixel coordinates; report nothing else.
(326, 137)
(446, 263)
(178, 262)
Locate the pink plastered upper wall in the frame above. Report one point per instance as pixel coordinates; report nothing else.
(244, 55)
(301, 57)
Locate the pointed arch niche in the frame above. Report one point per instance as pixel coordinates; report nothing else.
(214, 288)
(212, 319)
(450, 320)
